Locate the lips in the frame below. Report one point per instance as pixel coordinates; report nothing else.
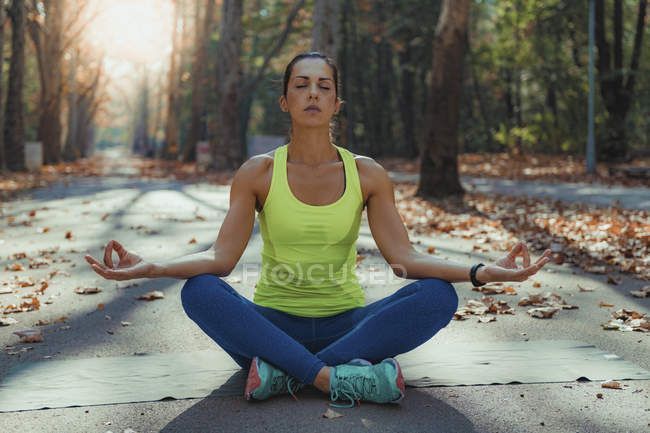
(313, 108)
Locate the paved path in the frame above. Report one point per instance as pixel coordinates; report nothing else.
(159, 218)
(600, 195)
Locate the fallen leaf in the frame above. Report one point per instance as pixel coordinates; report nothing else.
(584, 289)
(100, 306)
(192, 241)
(643, 292)
(330, 414)
(543, 312)
(612, 384)
(30, 336)
(6, 321)
(42, 229)
(431, 250)
(605, 304)
(151, 295)
(536, 284)
(68, 235)
(87, 290)
(599, 395)
(14, 267)
(32, 213)
(105, 216)
(612, 281)
(486, 319)
(126, 323)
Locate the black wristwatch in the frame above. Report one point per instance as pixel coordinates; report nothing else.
(472, 275)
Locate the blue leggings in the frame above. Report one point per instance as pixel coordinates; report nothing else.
(301, 346)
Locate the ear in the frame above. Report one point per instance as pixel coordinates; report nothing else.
(337, 105)
(283, 104)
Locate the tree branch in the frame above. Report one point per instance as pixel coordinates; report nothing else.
(280, 42)
(638, 38)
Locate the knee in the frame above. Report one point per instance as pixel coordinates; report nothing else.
(442, 294)
(193, 291)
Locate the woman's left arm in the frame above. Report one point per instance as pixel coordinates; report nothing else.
(392, 239)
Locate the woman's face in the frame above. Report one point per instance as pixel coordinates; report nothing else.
(311, 96)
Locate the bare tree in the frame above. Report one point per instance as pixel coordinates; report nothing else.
(170, 147)
(203, 32)
(439, 160)
(326, 27)
(227, 147)
(616, 89)
(3, 19)
(14, 128)
(48, 43)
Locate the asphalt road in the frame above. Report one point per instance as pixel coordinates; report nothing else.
(159, 219)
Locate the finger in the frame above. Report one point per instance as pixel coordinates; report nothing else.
(121, 252)
(515, 251)
(524, 249)
(108, 254)
(92, 260)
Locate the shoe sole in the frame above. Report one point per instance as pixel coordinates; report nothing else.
(253, 381)
(399, 381)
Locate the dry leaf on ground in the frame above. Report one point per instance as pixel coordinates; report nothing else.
(6, 321)
(330, 414)
(151, 295)
(87, 290)
(543, 312)
(643, 292)
(29, 336)
(612, 384)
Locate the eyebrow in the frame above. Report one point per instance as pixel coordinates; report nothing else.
(307, 78)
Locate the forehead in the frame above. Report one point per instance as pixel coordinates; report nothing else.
(312, 67)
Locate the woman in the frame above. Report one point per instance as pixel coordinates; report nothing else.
(308, 323)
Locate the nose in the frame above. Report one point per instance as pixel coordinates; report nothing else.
(313, 91)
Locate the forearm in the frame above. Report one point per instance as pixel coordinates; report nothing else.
(417, 265)
(204, 262)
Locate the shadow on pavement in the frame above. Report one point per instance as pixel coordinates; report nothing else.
(418, 412)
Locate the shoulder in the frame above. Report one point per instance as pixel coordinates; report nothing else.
(369, 168)
(372, 176)
(253, 171)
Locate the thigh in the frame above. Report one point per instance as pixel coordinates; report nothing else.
(330, 329)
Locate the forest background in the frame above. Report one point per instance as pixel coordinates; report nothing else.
(161, 76)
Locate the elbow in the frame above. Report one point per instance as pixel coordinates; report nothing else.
(401, 264)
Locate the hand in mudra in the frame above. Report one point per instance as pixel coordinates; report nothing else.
(129, 267)
(506, 269)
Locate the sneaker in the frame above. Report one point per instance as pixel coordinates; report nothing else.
(264, 381)
(380, 383)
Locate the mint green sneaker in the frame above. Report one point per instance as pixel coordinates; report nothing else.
(265, 380)
(356, 381)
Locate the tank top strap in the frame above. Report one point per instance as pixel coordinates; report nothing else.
(351, 171)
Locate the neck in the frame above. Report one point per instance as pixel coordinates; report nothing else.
(311, 147)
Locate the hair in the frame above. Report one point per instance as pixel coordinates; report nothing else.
(335, 71)
(311, 55)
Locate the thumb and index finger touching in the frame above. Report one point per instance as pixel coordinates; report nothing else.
(108, 252)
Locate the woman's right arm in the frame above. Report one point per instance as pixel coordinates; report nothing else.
(219, 259)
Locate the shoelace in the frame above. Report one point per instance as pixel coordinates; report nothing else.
(352, 388)
(282, 384)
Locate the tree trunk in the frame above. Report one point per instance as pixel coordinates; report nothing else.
(616, 91)
(3, 160)
(48, 43)
(326, 27)
(227, 151)
(439, 161)
(70, 152)
(170, 147)
(14, 128)
(203, 32)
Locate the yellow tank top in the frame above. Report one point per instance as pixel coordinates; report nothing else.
(309, 254)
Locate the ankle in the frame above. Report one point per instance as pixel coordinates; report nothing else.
(322, 381)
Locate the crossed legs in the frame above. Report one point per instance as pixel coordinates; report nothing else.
(305, 347)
